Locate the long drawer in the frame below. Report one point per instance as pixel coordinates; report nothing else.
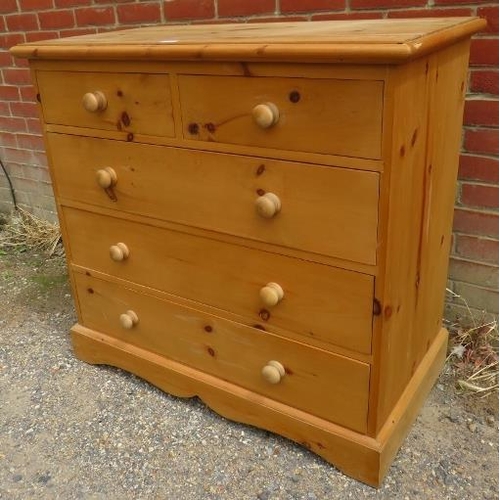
(131, 102)
(322, 303)
(295, 114)
(329, 386)
(325, 210)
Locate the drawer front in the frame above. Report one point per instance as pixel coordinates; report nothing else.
(321, 303)
(342, 117)
(325, 210)
(134, 102)
(330, 386)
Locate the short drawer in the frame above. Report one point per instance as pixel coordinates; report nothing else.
(325, 210)
(341, 117)
(329, 386)
(130, 102)
(322, 304)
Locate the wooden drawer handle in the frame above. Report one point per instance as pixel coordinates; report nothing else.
(268, 205)
(119, 252)
(106, 177)
(129, 319)
(95, 101)
(266, 115)
(271, 294)
(273, 372)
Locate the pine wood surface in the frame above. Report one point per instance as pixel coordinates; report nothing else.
(359, 456)
(353, 241)
(221, 110)
(321, 302)
(218, 192)
(132, 101)
(330, 386)
(421, 184)
(377, 41)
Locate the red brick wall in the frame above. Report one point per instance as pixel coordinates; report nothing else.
(473, 271)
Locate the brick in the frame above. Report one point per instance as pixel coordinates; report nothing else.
(347, 15)
(63, 4)
(245, 8)
(479, 168)
(37, 36)
(35, 5)
(481, 112)
(458, 313)
(31, 142)
(491, 15)
(7, 6)
(77, 32)
(28, 94)
(113, 1)
(477, 249)
(95, 16)
(484, 81)
(9, 93)
(12, 124)
(458, 2)
(429, 13)
(10, 39)
(311, 5)
(473, 272)
(21, 63)
(16, 76)
(479, 195)
(274, 19)
(18, 156)
(8, 140)
(59, 19)
(481, 141)
(475, 222)
(386, 4)
(188, 9)
(22, 22)
(34, 126)
(139, 13)
(484, 52)
(24, 109)
(4, 109)
(5, 59)
(478, 297)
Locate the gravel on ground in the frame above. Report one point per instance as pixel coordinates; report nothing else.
(69, 430)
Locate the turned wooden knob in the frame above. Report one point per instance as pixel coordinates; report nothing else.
(273, 372)
(129, 319)
(266, 115)
(271, 294)
(268, 205)
(106, 177)
(119, 252)
(95, 101)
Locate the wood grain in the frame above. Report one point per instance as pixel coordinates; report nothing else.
(329, 386)
(322, 116)
(322, 303)
(420, 183)
(137, 103)
(364, 41)
(336, 296)
(359, 456)
(218, 192)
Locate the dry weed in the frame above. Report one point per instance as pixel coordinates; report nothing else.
(24, 230)
(474, 351)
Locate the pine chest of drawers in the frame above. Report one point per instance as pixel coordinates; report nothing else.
(260, 215)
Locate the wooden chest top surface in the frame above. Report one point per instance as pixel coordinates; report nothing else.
(376, 41)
